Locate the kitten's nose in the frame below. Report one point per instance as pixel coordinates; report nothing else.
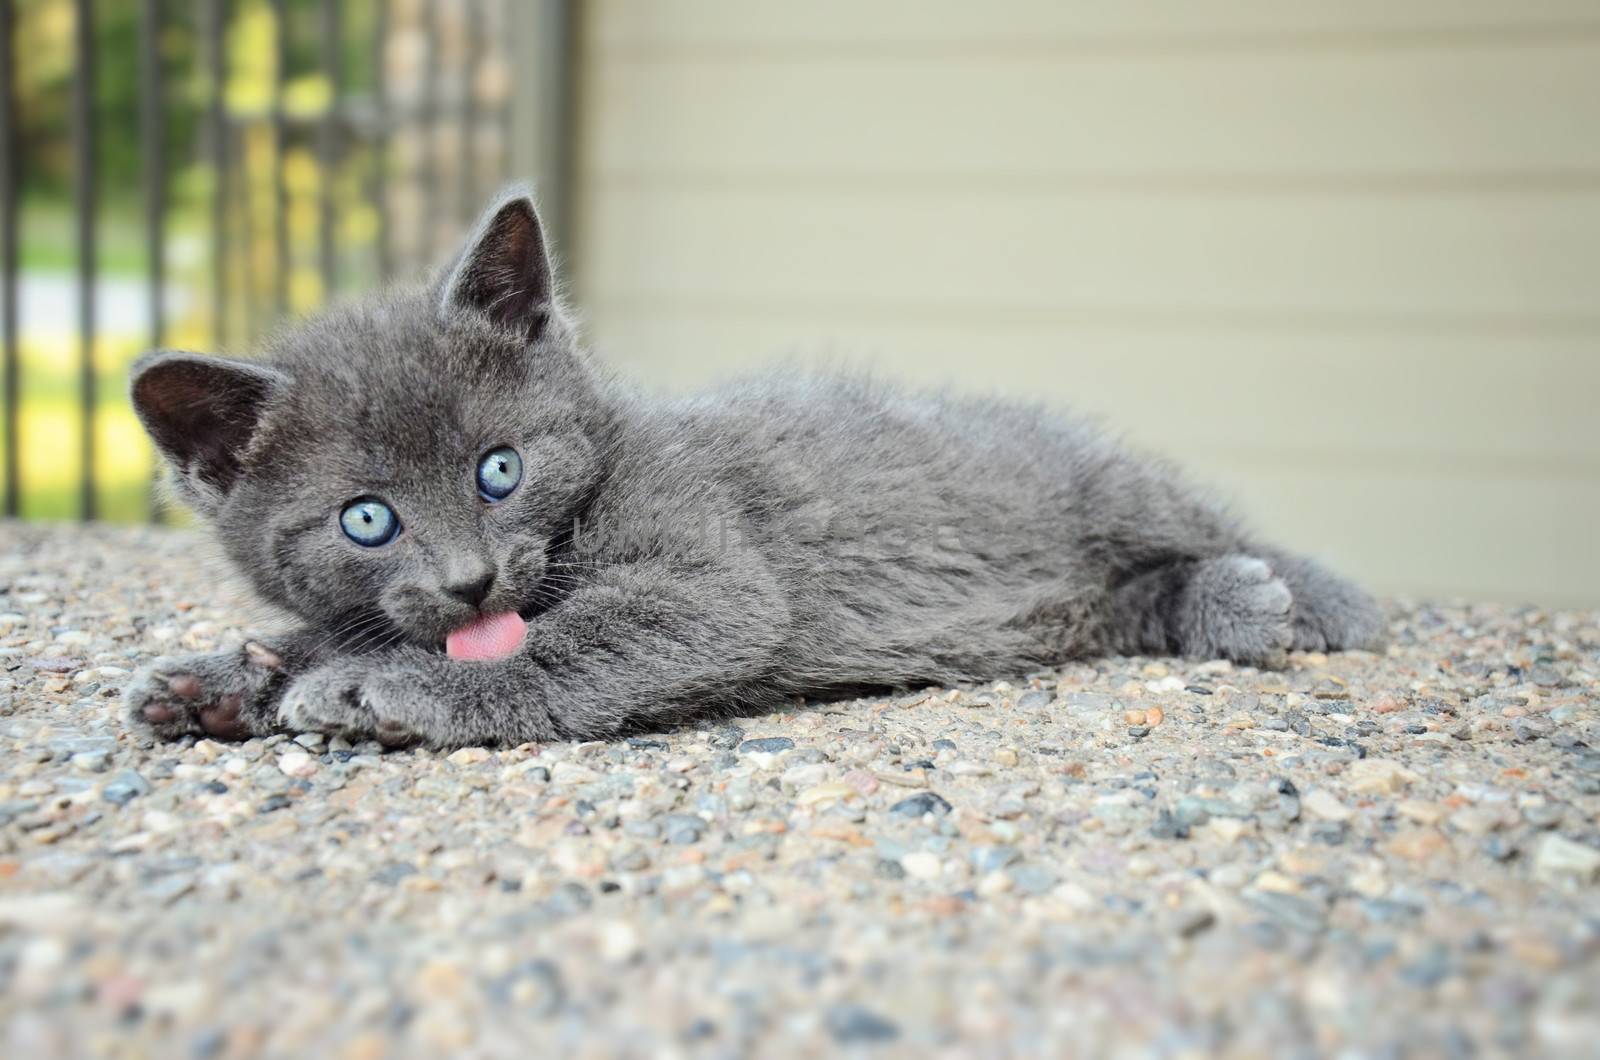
(473, 590)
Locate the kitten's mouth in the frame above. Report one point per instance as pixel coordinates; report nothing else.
(487, 638)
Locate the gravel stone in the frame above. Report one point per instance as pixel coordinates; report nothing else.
(921, 803)
(126, 786)
(1558, 859)
(767, 745)
(852, 1025)
(1324, 804)
(684, 828)
(91, 761)
(992, 859)
(642, 829)
(1032, 879)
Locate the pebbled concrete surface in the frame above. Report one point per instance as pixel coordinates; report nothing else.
(1360, 855)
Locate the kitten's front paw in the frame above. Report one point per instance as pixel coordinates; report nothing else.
(227, 695)
(358, 699)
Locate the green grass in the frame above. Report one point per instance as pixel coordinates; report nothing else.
(48, 239)
(50, 424)
(118, 502)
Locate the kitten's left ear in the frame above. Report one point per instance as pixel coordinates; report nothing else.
(203, 414)
(504, 271)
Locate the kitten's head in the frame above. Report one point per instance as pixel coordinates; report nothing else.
(396, 467)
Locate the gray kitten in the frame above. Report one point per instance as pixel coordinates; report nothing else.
(489, 542)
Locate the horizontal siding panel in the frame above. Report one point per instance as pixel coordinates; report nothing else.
(1528, 110)
(625, 23)
(1420, 403)
(1476, 257)
(1340, 258)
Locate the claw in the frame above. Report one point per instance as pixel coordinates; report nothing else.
(263, 656)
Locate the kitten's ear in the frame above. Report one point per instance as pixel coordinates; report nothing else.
(504, 270)
(202, 413)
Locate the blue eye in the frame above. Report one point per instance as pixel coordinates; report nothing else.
(498, 473)
(369, 522)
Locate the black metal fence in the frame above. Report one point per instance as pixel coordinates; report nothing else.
(311, 179)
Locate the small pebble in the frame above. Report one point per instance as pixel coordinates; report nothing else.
(297, 764)
(921, 865)
(1561, 861)
(767, 745)
(851, 1024)
(1379, 776)
(917, 805)
(126, 786)
(1324, 804)
(91, 761)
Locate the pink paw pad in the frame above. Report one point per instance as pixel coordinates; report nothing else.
(221, 719)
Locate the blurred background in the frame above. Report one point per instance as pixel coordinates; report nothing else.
(1341, 259)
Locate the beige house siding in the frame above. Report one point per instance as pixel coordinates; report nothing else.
(1341, 259)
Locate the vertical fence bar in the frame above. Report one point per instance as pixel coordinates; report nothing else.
(328, 142)
(280, 147)
(217, 136)
(512, 101)
(428, 133)
(467, 189)
(10, 172)
(380, 136)
(83, 152)
(243, 219)
(153, 136)
(540, 120)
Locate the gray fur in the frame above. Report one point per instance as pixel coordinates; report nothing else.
(793, 535)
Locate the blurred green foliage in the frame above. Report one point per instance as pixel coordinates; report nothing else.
(252, 92)
(45, 64)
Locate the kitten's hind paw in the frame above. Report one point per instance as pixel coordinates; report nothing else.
(1330, 613)
(1339, 628)
(226, 695)
(1235, 607)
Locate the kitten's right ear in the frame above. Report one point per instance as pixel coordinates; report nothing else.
(202, 413)
(504, 270)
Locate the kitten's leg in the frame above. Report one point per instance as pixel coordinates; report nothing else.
(647, 645)
(230, 695)
(1228, 607)
(411, 695)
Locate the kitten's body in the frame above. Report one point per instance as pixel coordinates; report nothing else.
(914, 537)
(793, 535)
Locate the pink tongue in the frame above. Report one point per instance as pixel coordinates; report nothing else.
(490, 637)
